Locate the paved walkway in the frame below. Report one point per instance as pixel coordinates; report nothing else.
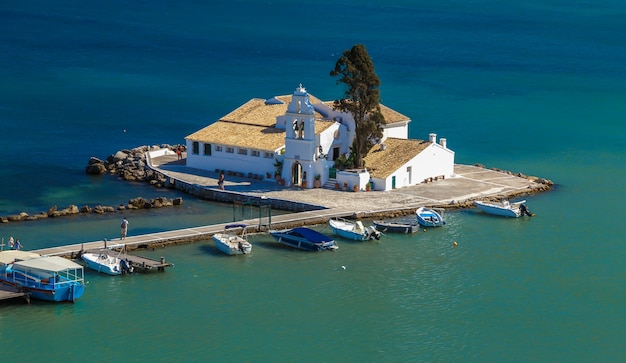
(469, 183)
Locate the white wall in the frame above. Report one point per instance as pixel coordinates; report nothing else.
(434, 161)
(397, 130)
(230, 161)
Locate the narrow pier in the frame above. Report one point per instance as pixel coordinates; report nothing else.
(9, 292)
(186, 235)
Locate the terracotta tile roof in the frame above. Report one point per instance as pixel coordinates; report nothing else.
(390, 115)
(256, 112)
(241, 135)
(252, 126)
(382, 163)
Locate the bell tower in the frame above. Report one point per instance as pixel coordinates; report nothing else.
(300, 149)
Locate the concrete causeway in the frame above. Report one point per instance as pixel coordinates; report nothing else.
(468, 184)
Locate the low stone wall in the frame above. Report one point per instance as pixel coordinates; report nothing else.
(224, 196)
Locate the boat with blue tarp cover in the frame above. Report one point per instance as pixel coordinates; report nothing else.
(305, 239)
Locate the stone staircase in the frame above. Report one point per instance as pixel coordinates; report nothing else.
(330, 184)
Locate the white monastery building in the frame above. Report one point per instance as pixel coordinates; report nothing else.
(295, 139)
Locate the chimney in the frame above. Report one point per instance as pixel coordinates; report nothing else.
(433, 138)
(442, 142)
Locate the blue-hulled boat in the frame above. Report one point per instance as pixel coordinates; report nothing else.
(430, 217)
(50, 278)
(305, 239)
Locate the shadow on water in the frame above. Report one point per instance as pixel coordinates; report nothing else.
(210, 249)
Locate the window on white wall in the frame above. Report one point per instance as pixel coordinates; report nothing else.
(230, 150)
(218, 148)
(256, 153)
(242, 151)
(207, 149)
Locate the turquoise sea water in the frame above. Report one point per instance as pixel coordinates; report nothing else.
(532, 87)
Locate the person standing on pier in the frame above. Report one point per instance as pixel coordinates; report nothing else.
(220, 181)
(124, 228)
(179, 152)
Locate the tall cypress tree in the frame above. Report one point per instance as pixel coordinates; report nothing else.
(361, 98)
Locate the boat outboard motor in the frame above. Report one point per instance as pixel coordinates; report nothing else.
(126, 269)
(524, 210)
(374, 233)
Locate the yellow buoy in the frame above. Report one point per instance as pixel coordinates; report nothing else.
(454, 244)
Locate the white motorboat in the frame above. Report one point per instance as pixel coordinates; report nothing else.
(104, 261)
(230, 243)
(504, 208)
(353, 230)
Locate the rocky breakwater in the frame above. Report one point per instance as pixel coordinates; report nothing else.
(53, 212)
(130, 165)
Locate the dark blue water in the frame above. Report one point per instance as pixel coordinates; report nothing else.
(530, 87)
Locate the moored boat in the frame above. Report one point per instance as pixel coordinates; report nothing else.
(50, 278)
(397, 226)
(430, 217)
(230, 243)
(103, 261)
(504, 208)
(305, 239)
(353, 230)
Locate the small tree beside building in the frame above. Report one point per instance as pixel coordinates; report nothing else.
(355, 70)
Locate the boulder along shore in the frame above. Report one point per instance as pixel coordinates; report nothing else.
(128, 164)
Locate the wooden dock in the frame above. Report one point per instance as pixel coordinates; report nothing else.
(9, 292)
(138, 263)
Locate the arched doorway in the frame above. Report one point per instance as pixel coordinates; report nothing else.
(296, 173)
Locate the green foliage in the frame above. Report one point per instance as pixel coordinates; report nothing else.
(355, 70)
(344, 161)
(278, 165)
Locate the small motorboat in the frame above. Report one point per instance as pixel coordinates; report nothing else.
(397, 226)
(430, 217)
(50, 278)
(103, 261)
(230, 243)
(305, 239)
(353, 230)
(504, 208)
